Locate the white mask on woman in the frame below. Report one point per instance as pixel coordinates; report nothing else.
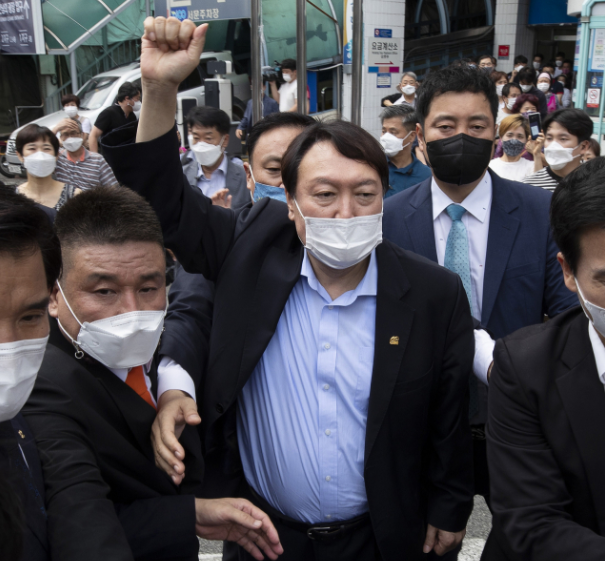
(40, 164)
(71, 110)
(543, 86)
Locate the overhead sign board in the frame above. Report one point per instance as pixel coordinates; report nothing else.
(203, 10)
(21, 29)
(384, 55)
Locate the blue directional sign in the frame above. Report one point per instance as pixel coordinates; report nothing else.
(21, 29)
(203, 10)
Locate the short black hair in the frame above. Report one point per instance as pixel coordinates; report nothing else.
(351, 141)
(540, 55)
(577, 205)
(549, 64)
(68, 98)
(491, 58)
(33, 133)
(276, 121)
(507, 87)
(458, 79)
(560, 54)
(520, 58)
(25, 228)
(405, 112)
(576, 121)
(211, 117)
(106, 215)
(527, 74)
(288, 64)
(128, 89)
(595, 147)
(568, 61)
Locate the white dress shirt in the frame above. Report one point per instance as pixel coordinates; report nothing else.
(598, 350)
(478, 205)
(217, 180)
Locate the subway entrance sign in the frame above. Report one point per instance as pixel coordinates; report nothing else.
(203, 10)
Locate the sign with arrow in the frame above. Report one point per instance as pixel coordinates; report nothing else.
(21, 28)
(384, 54)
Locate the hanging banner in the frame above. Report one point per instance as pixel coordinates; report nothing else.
(21, 29)
(203, 10)
(347, 51)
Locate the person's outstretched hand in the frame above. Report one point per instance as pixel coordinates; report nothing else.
(441, 541)
(170, 50)
(237, 520)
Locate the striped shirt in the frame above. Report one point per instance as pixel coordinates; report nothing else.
(544, 178)
(89, 171)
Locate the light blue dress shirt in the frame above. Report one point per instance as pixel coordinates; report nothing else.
(216, 181)
(302, 415)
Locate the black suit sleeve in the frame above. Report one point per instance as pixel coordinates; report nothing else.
(450, 469)
(199, 233)
(557, 297)
(82, 521)
(188, 323)
(392, 98)
(528, 493)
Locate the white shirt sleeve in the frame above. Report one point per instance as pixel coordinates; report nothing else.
(172, 376)
(484, 353)
(86, 125)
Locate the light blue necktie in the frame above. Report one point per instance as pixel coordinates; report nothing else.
(457, 260)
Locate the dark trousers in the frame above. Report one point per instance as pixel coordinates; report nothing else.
(480, 463)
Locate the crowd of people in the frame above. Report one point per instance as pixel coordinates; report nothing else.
(360, 337)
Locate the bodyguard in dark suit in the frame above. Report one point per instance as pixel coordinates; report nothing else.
(547, 402)
(30, 261)
(95, 398)
(394, 379)
(509, 268)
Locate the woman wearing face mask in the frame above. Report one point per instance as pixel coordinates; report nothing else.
(71, 106)
(514, 136)
(565, 97)
(544, 85)
(38, 148)
(525, 103)
(407, 86)
(510, 93)
(500, 80)
(567, 135)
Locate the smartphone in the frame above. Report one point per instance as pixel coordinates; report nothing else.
(535, 125)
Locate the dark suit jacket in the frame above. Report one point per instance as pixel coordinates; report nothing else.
(106, 499)
(523, 280)
(235, 180)
(26, 480)
(188, 323)
(417, 447)
(545, 448)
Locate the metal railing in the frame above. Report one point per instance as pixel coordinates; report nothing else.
(116, 55)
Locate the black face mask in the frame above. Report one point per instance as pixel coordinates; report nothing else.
(460, 159)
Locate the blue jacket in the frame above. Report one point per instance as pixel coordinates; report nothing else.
(523, 281)
(269, 106)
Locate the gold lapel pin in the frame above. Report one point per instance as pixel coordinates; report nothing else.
(394, 340)
(21, 434)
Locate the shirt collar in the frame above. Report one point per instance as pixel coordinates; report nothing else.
(598, 350)
(122, 373)
(476, 203)
(406, 169)
(368, 286)
(222, 167)
(80, 159)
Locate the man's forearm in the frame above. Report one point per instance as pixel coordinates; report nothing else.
(93, 145)
(157, 112)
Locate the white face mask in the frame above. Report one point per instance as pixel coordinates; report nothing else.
(206, 154)
(536, 65)
(393, 145)
(122, 341)
(543, 86)
(40, 164)
(19, 365)
(559, 63)
(408, 90)
(525, 87)
(137, 106)
(287, 77)
(499, 89)
(558, 156)
(597, 313)
(510, 103)
(72, 144)
(71, 111)
(341, 243)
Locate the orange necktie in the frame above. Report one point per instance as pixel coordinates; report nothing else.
(136, 380)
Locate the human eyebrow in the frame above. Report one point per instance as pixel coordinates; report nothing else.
(39, 305)
(100, 277)
(151, 276)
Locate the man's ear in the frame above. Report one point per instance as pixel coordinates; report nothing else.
(568, 275)
(249, 180)
(53, 305)
(291, 205)
(420, 135)
(225, 142)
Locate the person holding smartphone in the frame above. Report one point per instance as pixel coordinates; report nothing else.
(515, 137)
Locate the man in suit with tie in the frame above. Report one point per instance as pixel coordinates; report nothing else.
(337, 378)
(95, 399)
(493, 232)
(30, 261)
(546, 422)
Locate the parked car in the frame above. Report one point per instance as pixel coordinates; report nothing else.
(101, 91)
